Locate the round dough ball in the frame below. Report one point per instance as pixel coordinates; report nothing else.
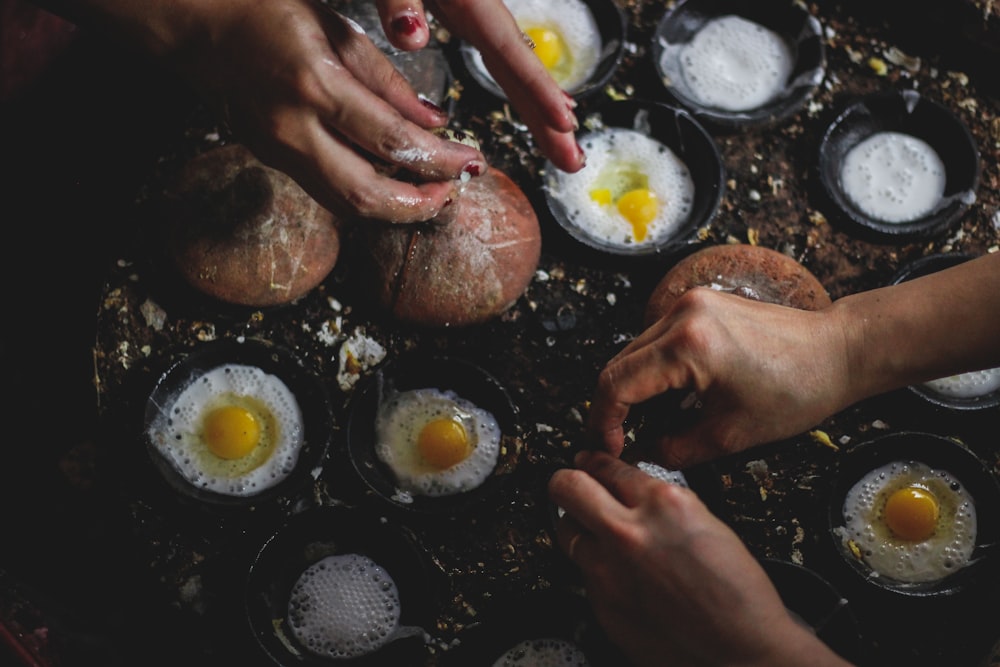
(750, 271)
(469, 264)
(246, 234)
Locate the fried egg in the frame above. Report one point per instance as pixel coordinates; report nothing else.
(344, 606)
(967, 385)
(566, 38)
(661, 473)
(731, 63)
(893, 177)
(909, 522)
(235, 430)
(633, 190)
(435, 442)
(544, 652)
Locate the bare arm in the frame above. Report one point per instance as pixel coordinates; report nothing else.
(922, 329)
(764, 372)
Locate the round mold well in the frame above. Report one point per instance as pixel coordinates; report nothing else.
(908, 113)
(799, 30)
(316, 533)
(417, 370)
(675, 129)
(905, 599)
(310, 395)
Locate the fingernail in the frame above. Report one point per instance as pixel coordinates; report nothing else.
(570, 102)
(581, 156)
(473, 169)
(406, 24)
(576, 122)
(430, 105)
(447, 202)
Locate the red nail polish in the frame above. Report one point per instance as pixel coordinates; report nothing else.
(447, 202)
(406, 24)
(472, 169)
(430, 105)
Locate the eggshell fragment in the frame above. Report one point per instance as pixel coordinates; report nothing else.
(466, 266)
(754, 272)
(244, 233)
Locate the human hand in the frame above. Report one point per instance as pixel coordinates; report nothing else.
(311, 95)
(761, 372)
(487, 24)
(668, 581)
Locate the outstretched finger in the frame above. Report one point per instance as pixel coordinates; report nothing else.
(543, 106)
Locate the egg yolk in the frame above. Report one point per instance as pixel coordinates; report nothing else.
(626, 186)
(639, 207)
(443, 443)
(549, 45)
(231, 432)
(601, 195)
(912, 513)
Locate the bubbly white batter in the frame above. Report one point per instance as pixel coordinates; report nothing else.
(732, 64)
(967, 385)
(893, 177)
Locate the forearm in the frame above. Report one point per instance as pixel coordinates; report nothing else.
(930, 327)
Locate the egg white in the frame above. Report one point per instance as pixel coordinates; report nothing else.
(398, 423)
(575, 24)
(344, 606)
(946, 551)
(669, 179)
(545, 652)
(176, 432)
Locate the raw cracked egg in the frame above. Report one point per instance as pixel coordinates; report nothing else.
(435, 442)
(565, 36)
(634, 190)
(909, 522)
(235, 430)
(344, 606)
(543, 652)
